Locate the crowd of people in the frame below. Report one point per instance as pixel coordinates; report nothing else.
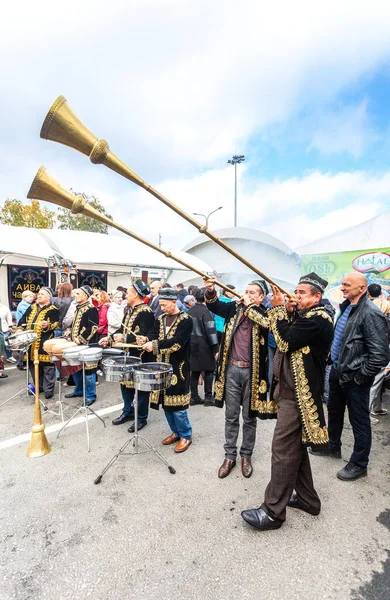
(260, 356)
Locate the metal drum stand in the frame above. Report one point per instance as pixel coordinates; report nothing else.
(139, 385)
(26, 389)
(85, 410)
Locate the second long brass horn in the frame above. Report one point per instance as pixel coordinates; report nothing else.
(61, 125)
(45, 187)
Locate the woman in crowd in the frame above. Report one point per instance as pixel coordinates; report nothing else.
(115, 311)
(6, 326)
(103, 306)
(62, 302)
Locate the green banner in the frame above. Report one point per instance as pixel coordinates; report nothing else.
(375, 264)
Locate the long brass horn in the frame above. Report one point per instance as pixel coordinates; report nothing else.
(61, 125)
(44, 187)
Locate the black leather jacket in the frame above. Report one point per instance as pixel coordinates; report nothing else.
(365, 346)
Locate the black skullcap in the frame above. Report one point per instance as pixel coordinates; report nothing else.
(87, 290)
(167, 294)
(314, 279)
(262, 285)
(141, 288)
(375, 290)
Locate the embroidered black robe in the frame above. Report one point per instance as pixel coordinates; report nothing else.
(232, 312)
(306, 337)
(141, 322)
(174, 348)
(32, 318)
(84, 329)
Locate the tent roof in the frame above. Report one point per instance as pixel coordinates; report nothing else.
(87, 247)
(370, 234)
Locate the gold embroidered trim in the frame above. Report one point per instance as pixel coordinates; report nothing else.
(38, 329)
(211, 300)
(255, 368)
(257, 317)
(263, 386)
(170, 334)
(267, 407)
(306, 350)
(319, 310)
(181, 371)
(311, 428)
(219, 385)
(275, 314)
(174, 380)
(130, 318)
(179, 400)
(128, 384)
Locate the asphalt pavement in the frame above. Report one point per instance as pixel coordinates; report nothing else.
(146, 533)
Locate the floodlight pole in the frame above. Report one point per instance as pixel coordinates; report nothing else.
(236, 160)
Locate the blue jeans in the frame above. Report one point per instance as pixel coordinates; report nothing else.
(179, 423)
(8, 352)
(90, 385)
(143, 403)
(356, 398)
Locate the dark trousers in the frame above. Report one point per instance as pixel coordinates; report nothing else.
(47, 377)
(143, 403)
(290, 465)
(237, 394)
(357, 399)
(208, 384)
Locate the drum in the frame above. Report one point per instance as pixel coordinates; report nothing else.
(22, 339)
(90, 356)
(151, 377)
(71, 355)
(119, 369)
(56, 350)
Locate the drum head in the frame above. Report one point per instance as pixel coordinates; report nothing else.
(153, 368)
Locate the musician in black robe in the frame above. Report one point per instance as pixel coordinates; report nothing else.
(170, 343)
(84, 331)
(303, 332)
(138, 321)
(42, 318)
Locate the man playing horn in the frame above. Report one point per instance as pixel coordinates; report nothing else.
(303, 331)
(42, 317)
(84, 331)
(138, 321)
(170, 343)
(241, 372)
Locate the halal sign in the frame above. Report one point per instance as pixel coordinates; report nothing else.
(372, 262)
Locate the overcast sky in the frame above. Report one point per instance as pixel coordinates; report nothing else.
(177, 87)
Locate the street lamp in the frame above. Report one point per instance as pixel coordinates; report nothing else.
(207, 216)
(236, 160)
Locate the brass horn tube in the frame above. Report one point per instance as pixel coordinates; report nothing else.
(44, 187)
(61, 125)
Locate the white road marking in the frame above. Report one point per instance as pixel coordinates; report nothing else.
(25, 437)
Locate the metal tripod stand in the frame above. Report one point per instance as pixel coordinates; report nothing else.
(85, 410)
(134, 440)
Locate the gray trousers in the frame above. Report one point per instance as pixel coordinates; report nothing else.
(47, 377)
(237, 394)
(376, 392)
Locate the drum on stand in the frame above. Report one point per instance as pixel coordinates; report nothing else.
(152, 377)
(22, 339)
(119, 369)
(90, 356)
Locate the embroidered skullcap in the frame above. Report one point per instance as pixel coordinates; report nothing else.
(87, 290)
(167, 294)
(314, 279)
(262, 285)
(47, 290)
(141, 288)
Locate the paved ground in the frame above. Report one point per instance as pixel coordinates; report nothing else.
(144, 533)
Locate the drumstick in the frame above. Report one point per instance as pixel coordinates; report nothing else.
(130, 330)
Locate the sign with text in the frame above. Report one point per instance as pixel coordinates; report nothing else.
(374, 264)
(22, 278)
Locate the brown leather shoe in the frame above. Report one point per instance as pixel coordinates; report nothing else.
(183, 445)
(171, 439)
(226, 467)
(246, 466)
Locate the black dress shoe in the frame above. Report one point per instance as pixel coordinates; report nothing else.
(326, 452)
(72, 396)
(258, 518)
(295, 502)
(89, 402)
(195, 401)
(122, 419)
(48, 396)
(141, 425)
(351, 472)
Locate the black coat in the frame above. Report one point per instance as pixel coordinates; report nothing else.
(32, 319)
(204, 341)
(305, 338)
(84, 329)
(365, 344)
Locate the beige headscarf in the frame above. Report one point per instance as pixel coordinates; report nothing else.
(382, 304)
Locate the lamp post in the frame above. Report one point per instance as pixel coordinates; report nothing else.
(236, 160)
(207, 216)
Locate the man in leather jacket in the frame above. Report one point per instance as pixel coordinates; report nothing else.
(360, 349)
